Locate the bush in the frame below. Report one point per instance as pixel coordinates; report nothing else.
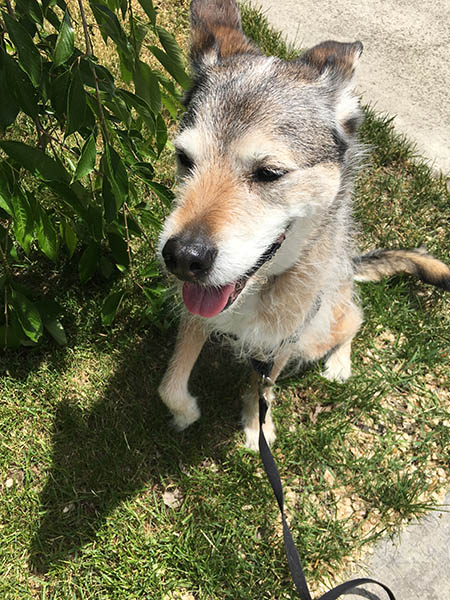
(78, 150)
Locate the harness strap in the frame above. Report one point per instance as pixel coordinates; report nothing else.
(295, 565)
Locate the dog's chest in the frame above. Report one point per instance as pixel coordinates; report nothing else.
(246, 325)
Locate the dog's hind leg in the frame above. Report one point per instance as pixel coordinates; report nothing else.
(174, 386)
(338, 366)
(250, 411)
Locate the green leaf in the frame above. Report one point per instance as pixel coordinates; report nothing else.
(30, 8)
(161, 134)
(11, 336)
(19, 85)
(106, 267)
(52, 18)
(162, 192)
(56, 330)
(88, 262)
(29, 56)
(172, 59)
(109, 24)
(171, 46)
(120, 110)
(110, 307)
(6, 187)
(94, 219)
(70, 238)
(171, 105)
(86, 162)
(50, 311)
(109, 201)
(150, 11)
(110, 27)
(28, 315)
(47, 236)
(117, 177)
(65, 42)
(76, 104)
(119, 249)
(144, 170)
(147, 86)
(36, 161)
(9, 108)
(59, 88)
(6, 205)
(104, 78)
(141, 108)
(70, 197)
(23, 223)
(172, 66)
(149, 220)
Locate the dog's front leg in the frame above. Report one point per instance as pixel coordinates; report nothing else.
(174, 386)
(250, 412)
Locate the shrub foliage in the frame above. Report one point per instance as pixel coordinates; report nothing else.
(78, 147)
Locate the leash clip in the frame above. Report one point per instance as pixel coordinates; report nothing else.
(266, 382)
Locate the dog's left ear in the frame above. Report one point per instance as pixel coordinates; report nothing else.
(216, 31)
(335, 64)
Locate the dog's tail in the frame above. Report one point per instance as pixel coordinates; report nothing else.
(383, 263)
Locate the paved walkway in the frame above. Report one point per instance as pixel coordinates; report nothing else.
(404, 71)
(405, 67)
(416, 566)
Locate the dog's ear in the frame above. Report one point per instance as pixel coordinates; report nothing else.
(333, 58)
(216, 31)
(335, 63)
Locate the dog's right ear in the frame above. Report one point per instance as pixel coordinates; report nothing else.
(335, 64)
(216, 32)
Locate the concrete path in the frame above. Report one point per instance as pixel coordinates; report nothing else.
(415, 567)
(404, 71)
(405, 67)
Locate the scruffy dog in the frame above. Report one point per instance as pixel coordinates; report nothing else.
(261, 231)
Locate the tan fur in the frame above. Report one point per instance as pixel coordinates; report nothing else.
(385, 263)
(346, 320)
(208, 201)
(174, 386)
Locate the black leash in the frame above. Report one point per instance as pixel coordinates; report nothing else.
(264, 369)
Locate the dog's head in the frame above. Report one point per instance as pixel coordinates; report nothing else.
(263, 150)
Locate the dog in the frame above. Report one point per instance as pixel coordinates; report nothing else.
(261, 237)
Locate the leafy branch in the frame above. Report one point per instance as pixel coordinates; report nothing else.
(65, 197)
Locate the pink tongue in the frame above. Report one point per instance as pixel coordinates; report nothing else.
(206, 301)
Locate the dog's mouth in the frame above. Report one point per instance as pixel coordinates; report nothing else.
(209, 301)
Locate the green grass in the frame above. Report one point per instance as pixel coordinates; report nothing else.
(87, 453)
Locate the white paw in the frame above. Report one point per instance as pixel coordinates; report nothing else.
(182, 405)
(252, 434)
(337, 369)
(182, 420)
(251, 438)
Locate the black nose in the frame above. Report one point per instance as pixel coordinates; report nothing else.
(189, 257)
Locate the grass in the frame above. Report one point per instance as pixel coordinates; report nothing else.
(101, 499)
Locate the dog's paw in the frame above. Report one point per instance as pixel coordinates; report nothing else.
(337, 370)
(182, 405)
(252, 435)
(181, 421)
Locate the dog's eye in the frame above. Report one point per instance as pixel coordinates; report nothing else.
(268, 174)
(184, 160)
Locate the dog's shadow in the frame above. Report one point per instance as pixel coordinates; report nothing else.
(125, 444)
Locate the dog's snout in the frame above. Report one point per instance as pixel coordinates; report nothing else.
(189, 257)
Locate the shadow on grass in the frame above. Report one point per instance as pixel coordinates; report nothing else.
(125, 444)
